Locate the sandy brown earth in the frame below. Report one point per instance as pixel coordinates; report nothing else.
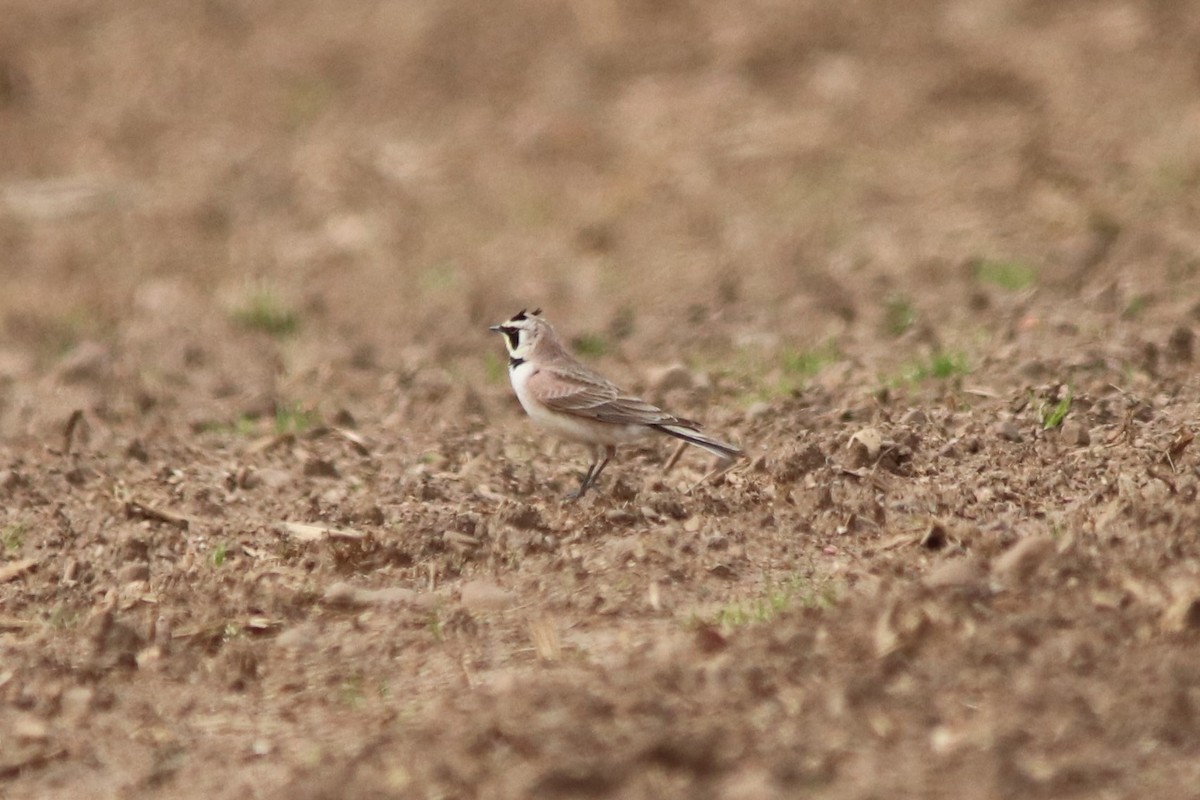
(273, 525)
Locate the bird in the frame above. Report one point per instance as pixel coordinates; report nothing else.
(565, 397)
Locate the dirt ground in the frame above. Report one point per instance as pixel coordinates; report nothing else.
(272, 523)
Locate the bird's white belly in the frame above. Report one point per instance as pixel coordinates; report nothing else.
(569, 426)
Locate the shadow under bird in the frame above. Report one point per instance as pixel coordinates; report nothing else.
(565, 397)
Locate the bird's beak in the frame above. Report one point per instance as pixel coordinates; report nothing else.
(494, 329)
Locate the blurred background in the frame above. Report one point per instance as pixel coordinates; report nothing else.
(221, 194)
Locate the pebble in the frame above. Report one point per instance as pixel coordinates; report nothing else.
(1022, 559)
(300, 637)
(620, 516)
(320, 468)
(750, 783)
(1181, 344)
(673, 376)
(274, 478)
(1183, 613)
(795, 466)
(482, 595)
(1008, 430)
(349, 596)
(935, 537)
(956, 573)
(758, 410)
(86, 362)
(28, 728)
(9, 479)
(1074, 432)
(864, 447)
(335, 496)
(76, 703)
(134, 571)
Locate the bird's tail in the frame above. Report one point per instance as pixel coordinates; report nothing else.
(691, 436)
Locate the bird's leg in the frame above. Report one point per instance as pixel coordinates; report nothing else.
(609, 452)
(583, 484)
(589, 480)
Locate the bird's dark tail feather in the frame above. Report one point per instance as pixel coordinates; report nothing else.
(719, 449)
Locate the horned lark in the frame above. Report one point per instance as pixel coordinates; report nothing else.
(571, 401)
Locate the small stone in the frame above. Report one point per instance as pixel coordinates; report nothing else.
(674, 376)
(349, 596)
(1008, 430)
(9, 479)
(343, 594)
(87, 361)
(944, 740)
(750, 783)
(274, 478)
(481, 595)
(1181, 344)
(758, 410)
(320, 468)
(248, 478)
(669, 505)
(521, 515)
(28, 728)
(148, 657)
(76, 703)
(14, 366)
(134, 571)
(1020, 561)
(915, 417)
(957, 573)
(137, 451)
(936, 537)
(133, 546)
(796, 465)
(162, 632)
(1074, 432)
(951, 449)
(116, 642)
(334, 496)
(460, 541)
(864, 447)
(301, 637)
(237, 665)
(619, 516)
(389, 595)
(1183, 612)
(1183, 615)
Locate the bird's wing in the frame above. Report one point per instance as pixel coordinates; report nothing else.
(571, 390)
(583, 393)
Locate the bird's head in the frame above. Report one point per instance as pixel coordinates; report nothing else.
(522, 332)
